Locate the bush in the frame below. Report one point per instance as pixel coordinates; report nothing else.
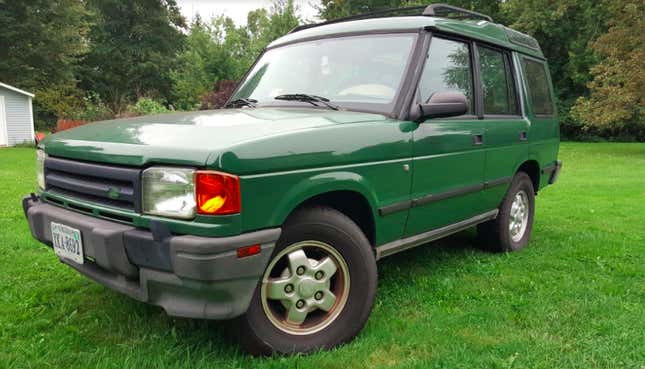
(217, 98)
(93, 110)
(147, 106)
(67, 103)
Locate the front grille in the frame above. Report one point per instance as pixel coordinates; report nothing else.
(109, 185)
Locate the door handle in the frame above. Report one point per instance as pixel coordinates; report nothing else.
(523, 136)
(478, 139)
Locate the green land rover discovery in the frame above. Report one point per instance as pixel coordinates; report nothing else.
(346, 142)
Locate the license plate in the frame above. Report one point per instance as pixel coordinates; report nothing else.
(67, 242)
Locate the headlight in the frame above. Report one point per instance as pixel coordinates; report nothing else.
(169, 192)
(40, 168)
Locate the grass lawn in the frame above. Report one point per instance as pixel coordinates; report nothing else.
(575, 298)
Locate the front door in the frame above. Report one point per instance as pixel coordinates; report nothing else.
(449, 154)
(3, 123)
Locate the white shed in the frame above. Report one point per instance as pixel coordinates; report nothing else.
(16, 116)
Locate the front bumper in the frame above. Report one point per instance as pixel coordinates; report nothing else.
(188, 276)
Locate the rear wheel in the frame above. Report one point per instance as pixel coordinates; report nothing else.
(511, 229)
(317, 290)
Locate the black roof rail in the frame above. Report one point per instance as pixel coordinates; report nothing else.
(444, 11)
(373, 14)
(432, 10)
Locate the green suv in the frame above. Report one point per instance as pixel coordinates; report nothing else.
(346, 142)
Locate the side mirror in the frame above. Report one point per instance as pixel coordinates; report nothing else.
(441, 105)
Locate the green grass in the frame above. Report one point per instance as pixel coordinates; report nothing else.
(575, 298)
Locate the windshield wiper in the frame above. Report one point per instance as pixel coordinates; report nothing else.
(251, 103)
(312, 99)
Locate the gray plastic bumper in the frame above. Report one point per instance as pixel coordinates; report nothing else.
(188, 276)
(553, 171)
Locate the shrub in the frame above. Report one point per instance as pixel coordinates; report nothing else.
(94, 109)
(147, 106)
(217, 98)
(68, 107)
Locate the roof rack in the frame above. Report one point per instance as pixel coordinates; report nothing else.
(449, 11)
(433, 10)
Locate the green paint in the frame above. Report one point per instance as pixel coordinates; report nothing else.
(287, 155)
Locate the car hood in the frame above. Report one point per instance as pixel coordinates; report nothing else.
(188, 138)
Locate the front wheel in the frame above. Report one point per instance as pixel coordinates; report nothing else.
(318, 289)
(511, 229)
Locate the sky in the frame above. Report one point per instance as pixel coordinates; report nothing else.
(237, 9)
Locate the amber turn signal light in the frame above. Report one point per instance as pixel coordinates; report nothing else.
(217, 193)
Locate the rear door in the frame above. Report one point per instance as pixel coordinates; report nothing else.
(448, 153)
(541, 109)
(507, 130)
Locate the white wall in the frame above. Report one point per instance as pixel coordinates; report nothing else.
(20, 126)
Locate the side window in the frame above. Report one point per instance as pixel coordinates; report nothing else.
(538, 85)
(497, 82)
(447, 69)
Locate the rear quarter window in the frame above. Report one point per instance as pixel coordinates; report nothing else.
(538, 87)
(497, 82)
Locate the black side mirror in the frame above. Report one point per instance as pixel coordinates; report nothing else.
(441, 105)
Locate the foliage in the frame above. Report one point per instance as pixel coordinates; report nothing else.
(616, 103)
(218, 98)
(572, 299)
(147, 106)
(205, 59)
(219, 50)
(94, 109)
(41, 42)
(132, 49)
(265, 26)
(565, 29)
(67, 102)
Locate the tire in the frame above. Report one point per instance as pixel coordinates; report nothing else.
(497, 235)
(321, 233)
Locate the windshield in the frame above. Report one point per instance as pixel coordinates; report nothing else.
(349, 71)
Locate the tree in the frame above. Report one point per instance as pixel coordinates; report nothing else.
(617, 99)
(221, 51)
(133, 45)
(41, 43)
(264, 26)
(565, 30)
(202, 62)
